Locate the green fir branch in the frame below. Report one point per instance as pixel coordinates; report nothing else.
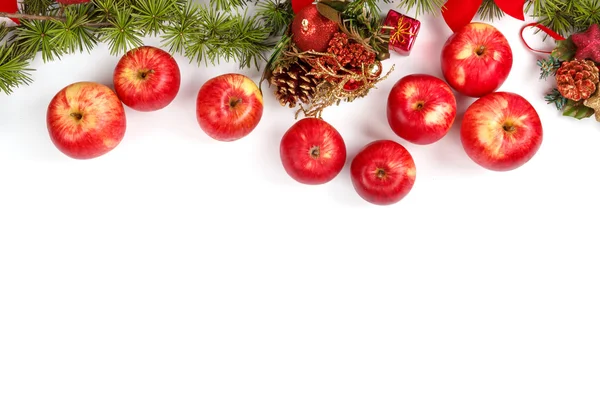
(14, 70)
(178, 35)
(548, 66)
(489, 11)
(152, 15)
(39, 7)
(275, 14)
(73, 34)
(4, 31)
(38, 36)
(124, 34)
(421, 7)
(227, 5)
(556, 98)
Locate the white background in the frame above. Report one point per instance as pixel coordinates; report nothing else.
(179, 267)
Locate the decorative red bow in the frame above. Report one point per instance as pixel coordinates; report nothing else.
(9, 6)
(459, 13)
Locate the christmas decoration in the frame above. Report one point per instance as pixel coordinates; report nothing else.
(458, 13)
(204, 33)
(217, 30)
(293, 83)
(298, 5)
(402, 30)
(577, 79)
(563, 17)
(9, 6)
(588, 44)
(311, 31)
(346, 68)
(594, 103)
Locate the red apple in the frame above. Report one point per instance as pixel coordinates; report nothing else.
(312, 151)
(476, 59)
(383, 172)
(85, 120)
(501, 131)
(229, 107)
(421, 108)
(147, 78)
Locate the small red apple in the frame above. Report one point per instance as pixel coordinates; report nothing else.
(421, 108)
(147, 78)
(229, 106)
(85, 120)
(501, 131)
(476, 59)
(383, 172)
(312, 151)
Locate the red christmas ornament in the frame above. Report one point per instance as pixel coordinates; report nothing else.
(10, 6)
(298, 5)
(588, 44)
(403, 33)
(311, 30)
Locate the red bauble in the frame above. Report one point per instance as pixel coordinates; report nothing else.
(311, 30)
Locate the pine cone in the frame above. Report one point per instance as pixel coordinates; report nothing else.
(578, 79)
(293, 84)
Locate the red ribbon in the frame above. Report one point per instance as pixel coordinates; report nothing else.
(9, 6)
(544, 29)
(458, 13)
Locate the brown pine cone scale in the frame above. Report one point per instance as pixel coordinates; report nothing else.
(293, 85)
(577, 79)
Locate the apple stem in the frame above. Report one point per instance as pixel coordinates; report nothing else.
(76, 115)
(508, 128)
(380, 172)
(480, 50)
(145, 73)
(315, 152)
(234, 102)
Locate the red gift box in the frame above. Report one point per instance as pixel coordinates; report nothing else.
(403, 31)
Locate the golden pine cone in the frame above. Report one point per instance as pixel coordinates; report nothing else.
(577, 79)
(293, 84)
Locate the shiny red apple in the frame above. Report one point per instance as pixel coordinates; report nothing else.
(476, 59)
(86, 120)
(501, 131)
(421, 108)
(147, 78)
(383, 172)
(229, 107)
(312, 151)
